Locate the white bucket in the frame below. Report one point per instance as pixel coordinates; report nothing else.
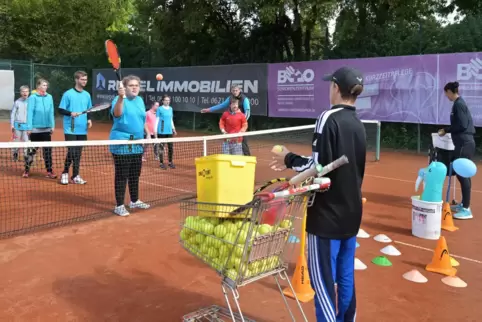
(426, 218)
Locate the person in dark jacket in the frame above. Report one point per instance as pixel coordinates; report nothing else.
(333, 220)
(462, 130)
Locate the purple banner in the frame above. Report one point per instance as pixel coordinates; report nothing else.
(397, 89)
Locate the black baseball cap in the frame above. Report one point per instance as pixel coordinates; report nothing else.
(346, 78)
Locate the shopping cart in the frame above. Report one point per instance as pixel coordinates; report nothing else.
(441, 150)
(239, 243)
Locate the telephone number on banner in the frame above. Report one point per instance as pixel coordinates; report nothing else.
(197, 100)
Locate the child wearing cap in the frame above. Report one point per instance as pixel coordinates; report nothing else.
(334, 218)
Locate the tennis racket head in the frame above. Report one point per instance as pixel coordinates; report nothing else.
(99, 107)
(112, 54)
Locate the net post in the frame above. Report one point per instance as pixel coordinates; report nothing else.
(205, 147)
(377, 151)
(418, 138)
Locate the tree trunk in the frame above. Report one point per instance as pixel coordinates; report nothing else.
(297, 33)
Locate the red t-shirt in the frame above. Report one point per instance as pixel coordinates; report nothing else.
(233, 123)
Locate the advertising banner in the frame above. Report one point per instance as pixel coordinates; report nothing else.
(397, 89)
(191, 88)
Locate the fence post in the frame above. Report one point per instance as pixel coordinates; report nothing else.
(194, 121)
(378, 145)
(418, 138)
(32, 75)
(205, 147)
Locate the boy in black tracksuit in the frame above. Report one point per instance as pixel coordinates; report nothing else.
(334, 218)
(462, 130)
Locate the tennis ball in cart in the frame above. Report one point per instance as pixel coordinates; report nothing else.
(232, 274)
(230, 238)
(220, 231)
(223, 251)
(207, 227)
(199, 239)
(204, 248)
(214, 242)
(285, 223)
(159, 77)
(243, 234)
(191, 221)
(264, 229)
(238, 251)
(212, 253)
(185, 233)
(239, 224)
(231, 228)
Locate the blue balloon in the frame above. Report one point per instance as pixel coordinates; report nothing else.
(464, 167)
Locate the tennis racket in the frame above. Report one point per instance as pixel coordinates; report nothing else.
(114, 58)
(96, 108)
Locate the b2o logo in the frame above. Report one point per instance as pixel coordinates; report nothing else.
(466, 72)
(292, 75)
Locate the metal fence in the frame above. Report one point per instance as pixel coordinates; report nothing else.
(60, 77)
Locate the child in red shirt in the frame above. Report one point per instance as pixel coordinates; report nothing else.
(233, 121)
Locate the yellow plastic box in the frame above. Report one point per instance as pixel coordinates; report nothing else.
(225, 179)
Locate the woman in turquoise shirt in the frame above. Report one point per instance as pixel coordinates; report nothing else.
(129, 112)
(40, 126)
(165, 129)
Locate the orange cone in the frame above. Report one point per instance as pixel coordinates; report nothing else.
(301, 278)
(441, 260)
(447, 218)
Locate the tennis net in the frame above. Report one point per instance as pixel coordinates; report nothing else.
(35, 202)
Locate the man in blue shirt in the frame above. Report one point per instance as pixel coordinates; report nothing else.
(75, 101)
(244, 106)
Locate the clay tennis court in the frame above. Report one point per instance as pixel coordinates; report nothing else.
(133, 269)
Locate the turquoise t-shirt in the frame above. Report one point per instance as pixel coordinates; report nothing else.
(75, 101)
(165, 116)
(129, 126)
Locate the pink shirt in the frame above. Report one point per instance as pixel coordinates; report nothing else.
(151, 121)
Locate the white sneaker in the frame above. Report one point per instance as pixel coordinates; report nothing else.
(64, 178)
(138, 204)
(121, 211)
(78, 180)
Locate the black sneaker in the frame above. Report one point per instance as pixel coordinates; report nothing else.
(163, 166)
(172, 166)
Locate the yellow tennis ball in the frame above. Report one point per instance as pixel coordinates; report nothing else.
(159, 77)
(277, 149)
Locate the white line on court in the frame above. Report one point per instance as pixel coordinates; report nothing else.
(146, 182)
(431, 250)
(406, 181)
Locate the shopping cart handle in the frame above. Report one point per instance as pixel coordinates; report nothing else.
(265, 196)
(318, 170)
(321, 184)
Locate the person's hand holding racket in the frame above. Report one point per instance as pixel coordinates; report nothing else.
(441, 132)
(121, 91)
(278, 163)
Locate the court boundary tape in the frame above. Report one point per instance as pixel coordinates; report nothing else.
(145, 182)
(431, 250)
